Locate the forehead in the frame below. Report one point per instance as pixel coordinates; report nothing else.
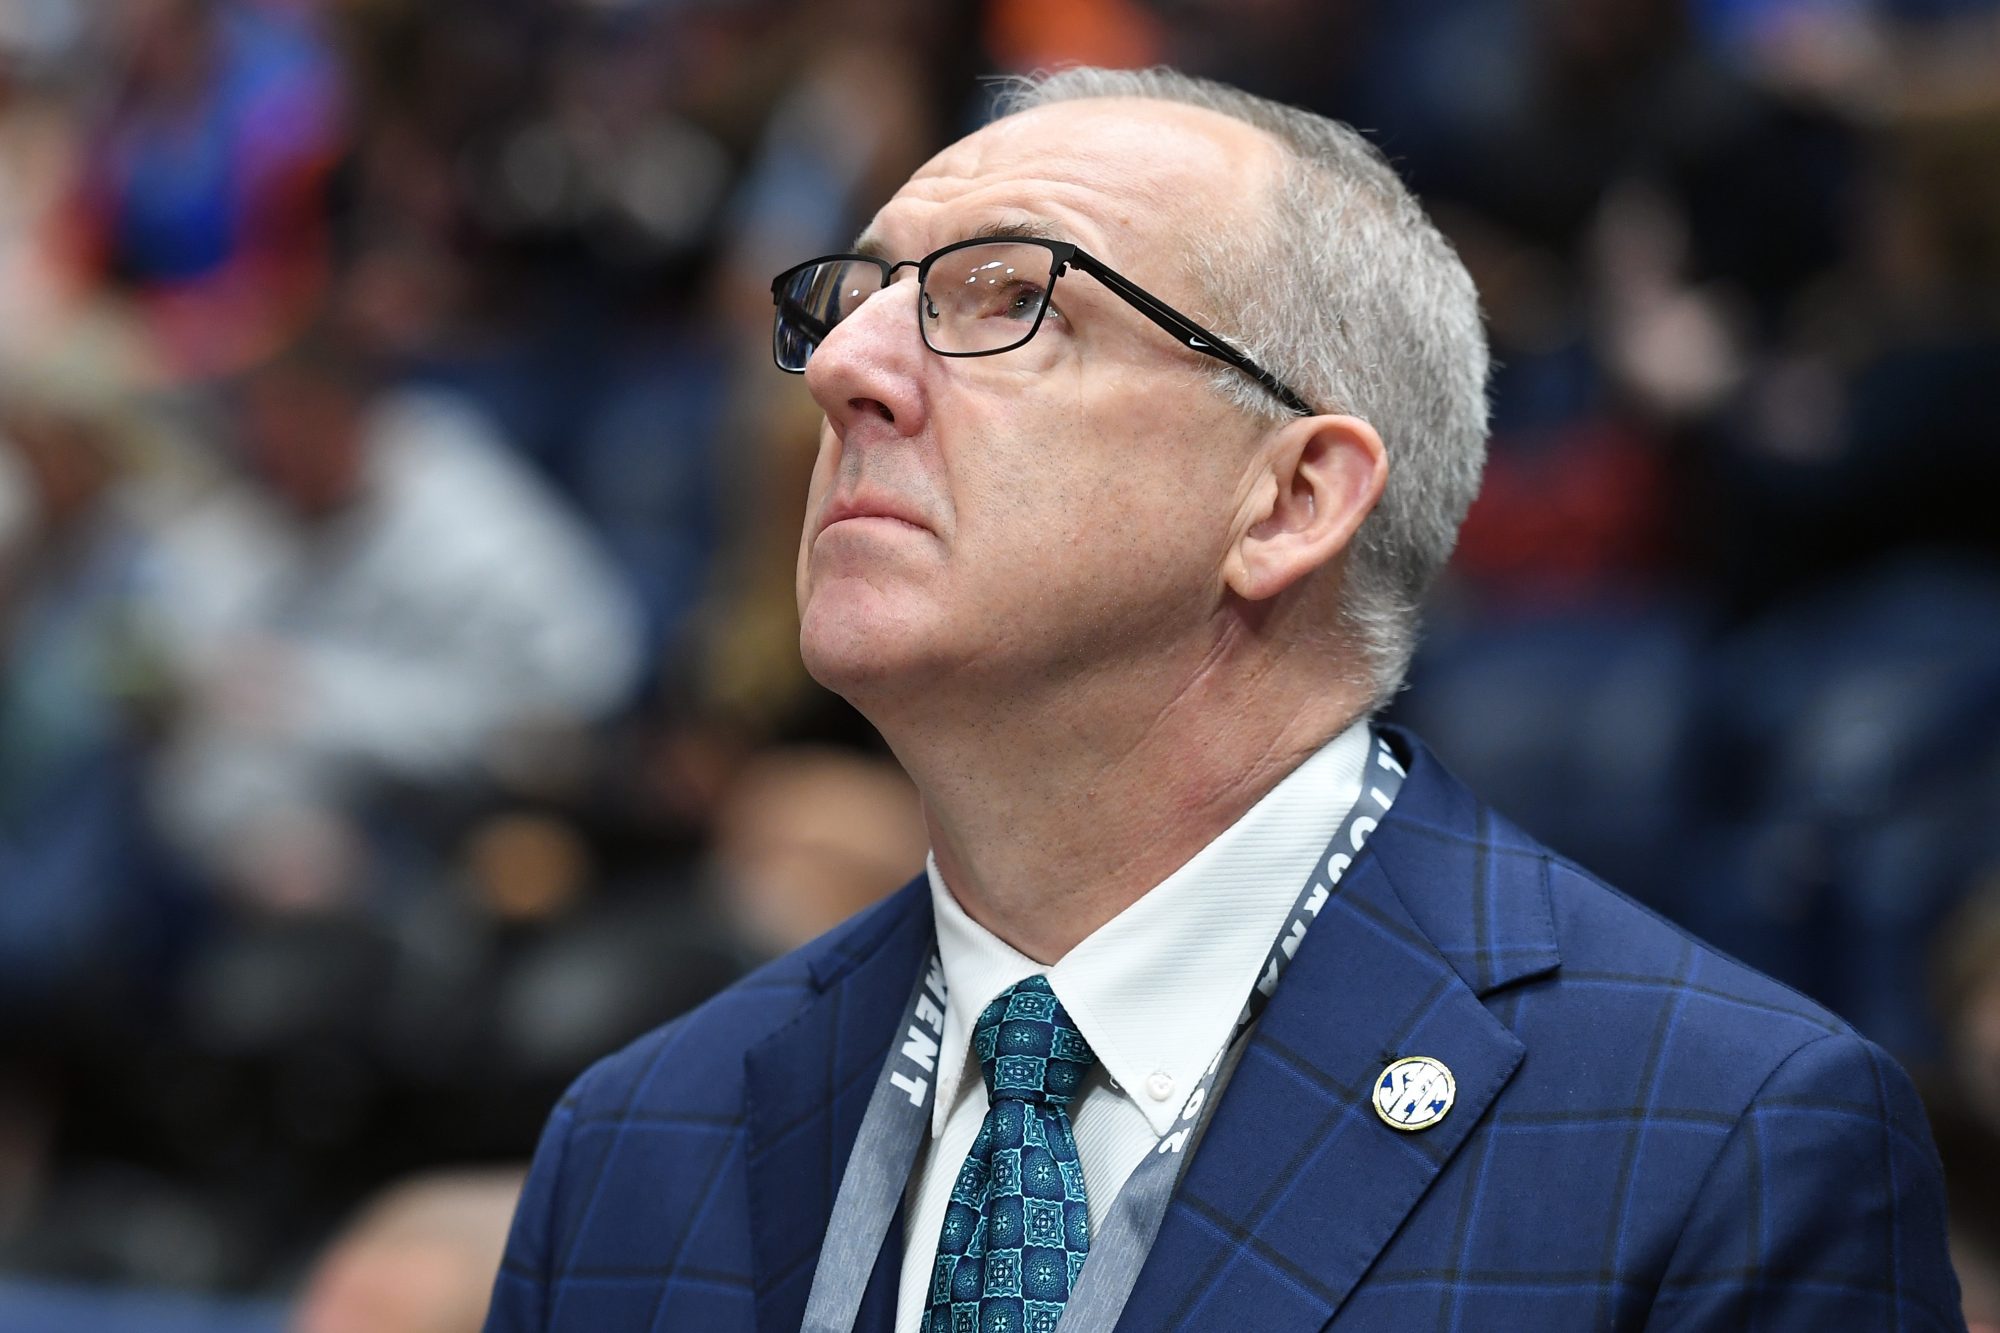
(1116, 175)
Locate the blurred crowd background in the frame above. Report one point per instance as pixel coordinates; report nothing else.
(399, 694)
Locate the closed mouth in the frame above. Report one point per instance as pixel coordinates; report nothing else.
(844, 512)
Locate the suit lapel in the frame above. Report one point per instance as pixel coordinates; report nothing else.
(806, 1088)
(1297, 1185)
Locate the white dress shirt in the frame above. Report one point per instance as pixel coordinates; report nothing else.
(1155, 991)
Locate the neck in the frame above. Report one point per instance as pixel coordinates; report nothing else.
(1050, 815)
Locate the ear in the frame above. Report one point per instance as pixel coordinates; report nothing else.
(1319, 478)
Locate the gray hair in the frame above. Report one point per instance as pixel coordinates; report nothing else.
(1378, 319)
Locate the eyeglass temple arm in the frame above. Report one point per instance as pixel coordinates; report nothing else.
(1189, 333)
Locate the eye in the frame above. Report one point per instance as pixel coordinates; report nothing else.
(1004, 296)
(1024, 301)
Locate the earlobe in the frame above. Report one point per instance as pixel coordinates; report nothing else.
(1321, 477)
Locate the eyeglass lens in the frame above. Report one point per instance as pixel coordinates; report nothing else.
(985, 298)
(976, 299)
(815, 298)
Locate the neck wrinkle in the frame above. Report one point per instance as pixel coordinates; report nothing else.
(1044, 830)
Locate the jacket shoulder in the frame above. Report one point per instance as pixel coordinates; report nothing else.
(1806, 1191)
(1557, 950)
(1747, 1157)
(1623, 953)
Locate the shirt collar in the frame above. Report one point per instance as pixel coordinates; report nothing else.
(1156, 990)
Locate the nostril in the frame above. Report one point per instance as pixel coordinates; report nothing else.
(875, 405)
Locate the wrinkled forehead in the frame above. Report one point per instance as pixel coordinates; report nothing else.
(1122, 177)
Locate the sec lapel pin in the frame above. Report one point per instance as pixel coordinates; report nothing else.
(1414, 1093)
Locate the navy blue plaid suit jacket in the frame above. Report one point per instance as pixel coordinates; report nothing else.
(1647, 1134)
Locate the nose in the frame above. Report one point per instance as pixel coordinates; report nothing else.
(870, 366)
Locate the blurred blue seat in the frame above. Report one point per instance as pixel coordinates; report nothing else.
(1858, 734)
(1573, 724)
(36, 1307)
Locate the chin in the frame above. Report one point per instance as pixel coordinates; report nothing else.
(860, 645)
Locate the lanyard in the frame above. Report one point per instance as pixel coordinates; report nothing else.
(899, 1112)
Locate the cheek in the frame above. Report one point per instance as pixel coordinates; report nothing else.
(822, 477)
(1088, 511)
(1128, 457)
(825, 459)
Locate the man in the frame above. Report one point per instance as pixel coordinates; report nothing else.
(1122, 599)
(421, 602)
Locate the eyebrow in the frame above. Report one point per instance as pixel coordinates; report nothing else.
(1036, 230)
(1033, 230)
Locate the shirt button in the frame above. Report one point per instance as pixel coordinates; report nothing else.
(1159, 1085)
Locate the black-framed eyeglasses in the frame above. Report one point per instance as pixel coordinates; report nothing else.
(976, 298)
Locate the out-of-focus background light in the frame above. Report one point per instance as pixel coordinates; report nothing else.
(400, 705)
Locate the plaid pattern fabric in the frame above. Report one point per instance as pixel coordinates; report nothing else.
(1646, 1134)
(1017, 1228)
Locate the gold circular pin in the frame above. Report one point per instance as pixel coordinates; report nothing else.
(1414, 1093)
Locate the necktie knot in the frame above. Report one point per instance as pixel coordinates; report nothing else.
(1028, 1049)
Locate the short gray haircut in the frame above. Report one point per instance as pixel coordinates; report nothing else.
(1347, 292)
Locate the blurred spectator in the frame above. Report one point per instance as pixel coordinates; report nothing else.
(1968, 998)
(1966, 1118)
(39, 143)
(1970, 1150)
(419, 1259)
(809, 837)
(426, 603)
(203, 189)
(81, 680)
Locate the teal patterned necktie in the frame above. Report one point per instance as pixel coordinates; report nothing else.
(1018, 1226)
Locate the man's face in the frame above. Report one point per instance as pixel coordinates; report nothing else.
(1057, 511)
(302, 437)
